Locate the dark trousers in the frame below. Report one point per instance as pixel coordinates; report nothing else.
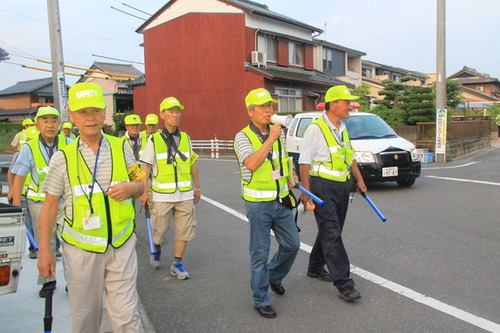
(328, 248)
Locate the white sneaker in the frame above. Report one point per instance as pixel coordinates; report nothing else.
(178, 270)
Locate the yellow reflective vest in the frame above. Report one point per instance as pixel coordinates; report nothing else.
(144, 140)
(34, 189)
(338, 169)
(262, 186)
(116, 218)
(174, 176)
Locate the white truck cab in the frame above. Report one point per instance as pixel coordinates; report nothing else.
(12, 246)
(379, 152)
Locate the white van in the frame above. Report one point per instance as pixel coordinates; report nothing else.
(380, 153)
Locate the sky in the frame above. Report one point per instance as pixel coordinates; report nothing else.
(399, 33)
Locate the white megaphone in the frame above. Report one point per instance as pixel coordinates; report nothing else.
(282, 120)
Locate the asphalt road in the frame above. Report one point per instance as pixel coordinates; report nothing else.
(438, 253)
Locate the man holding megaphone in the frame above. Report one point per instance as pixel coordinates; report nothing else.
(264, 170)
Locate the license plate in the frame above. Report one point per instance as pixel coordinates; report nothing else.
(390, 172)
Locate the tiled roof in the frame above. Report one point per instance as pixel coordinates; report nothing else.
(264, 10)
(116, 68)
(297, 75)
(251, 6)
(19, 112)
(338, 47)
(26, 87)
(137, 82)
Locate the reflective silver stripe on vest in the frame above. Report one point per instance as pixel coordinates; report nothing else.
(86, 239)
(32, 193)
(323, 169)
(276, 154)
(79, 189)
(164, 156)
(166, 186)
(44, 169)
(263, 194)
(333, 150)
(116, 237)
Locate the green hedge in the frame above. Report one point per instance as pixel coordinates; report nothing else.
(7, 133)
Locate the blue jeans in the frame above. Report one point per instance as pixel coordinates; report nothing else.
(27, 222)
(264, 217)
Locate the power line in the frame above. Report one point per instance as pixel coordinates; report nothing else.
(134, 62)
(124, 12)
(136, 9)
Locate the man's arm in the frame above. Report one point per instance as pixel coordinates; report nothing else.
(145, 183)
(359, 178)
(46, 223)
(196, 182)
(254, 161)
(17, 189)
(304, 182)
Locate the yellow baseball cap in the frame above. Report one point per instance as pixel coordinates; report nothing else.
(67, 124)
(28, 122)
(151, 119)
(85, 95)
(133, 119)
(258, 97)
(169, 103)
(45, 111)
(339, 92)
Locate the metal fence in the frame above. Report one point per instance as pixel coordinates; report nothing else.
(215, 147)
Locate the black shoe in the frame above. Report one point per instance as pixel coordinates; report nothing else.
(322, 275)
(266, 311)
(47, 289)
(33, 254)
(277, 288)
(349, 293)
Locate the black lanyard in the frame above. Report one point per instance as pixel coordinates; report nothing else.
(89, 197)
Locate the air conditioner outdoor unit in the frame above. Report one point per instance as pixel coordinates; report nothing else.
(258, 58)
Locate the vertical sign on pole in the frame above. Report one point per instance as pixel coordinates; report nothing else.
(63, 95)
(441, 132)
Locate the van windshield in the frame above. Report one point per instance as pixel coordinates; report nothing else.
(368, 127)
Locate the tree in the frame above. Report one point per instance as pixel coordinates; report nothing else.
(453, 93)
(418, 104)
(363, 91)
(494, 112)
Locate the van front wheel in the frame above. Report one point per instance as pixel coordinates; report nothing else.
(407, 182)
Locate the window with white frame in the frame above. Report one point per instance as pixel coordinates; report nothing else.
(327, 59)
(268, 45)
(289, 99)
(296, 54)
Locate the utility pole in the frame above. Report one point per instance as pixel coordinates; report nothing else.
(56, 54)
(441, 113)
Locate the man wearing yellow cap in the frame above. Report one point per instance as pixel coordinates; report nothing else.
(151, 124)
(264, 170)
(326, 166)
(22, 137)
(175, 185)
(95, 175)
(66, 128)
(136, 139)
(31, 169)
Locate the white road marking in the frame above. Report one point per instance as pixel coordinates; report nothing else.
(465, 180)
(397, 288)
(452, 167)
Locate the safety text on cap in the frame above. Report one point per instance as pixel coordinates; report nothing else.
(86, 93)
(262, 94)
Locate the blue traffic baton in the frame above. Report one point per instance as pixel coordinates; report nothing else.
(379, 213)
(310, 195)
(150, 232)
(32, 239)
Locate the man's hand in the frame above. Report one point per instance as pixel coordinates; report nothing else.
(275, 132)
(46, 263)
(121, 191)
(197, 196)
